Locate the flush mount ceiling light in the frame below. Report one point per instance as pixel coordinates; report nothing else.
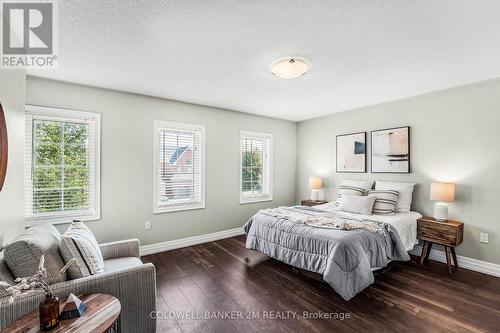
(289, 68)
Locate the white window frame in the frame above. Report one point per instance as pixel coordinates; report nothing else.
(267, 168)
(71, 115)
(158, 124)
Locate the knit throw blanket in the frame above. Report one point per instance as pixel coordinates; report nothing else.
(326, 220)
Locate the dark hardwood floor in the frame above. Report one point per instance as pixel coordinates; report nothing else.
(223, 278)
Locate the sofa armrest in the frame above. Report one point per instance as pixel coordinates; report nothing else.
(134, 287)
(125, 248)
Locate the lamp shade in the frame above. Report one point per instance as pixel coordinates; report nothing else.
(443, 192)
(315, 182)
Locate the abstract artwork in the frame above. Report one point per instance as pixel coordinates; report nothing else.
(391, 150)
(351, 152)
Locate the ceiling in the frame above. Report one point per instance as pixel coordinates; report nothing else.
(219, 52)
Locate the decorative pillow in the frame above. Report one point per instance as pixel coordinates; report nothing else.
(405, 193)
(329, 206)
(353, 187)
(366, 184)
(357, 204)
(6, 278)
(385, 201)
(3, 288)
(23, 254)
(79, 242)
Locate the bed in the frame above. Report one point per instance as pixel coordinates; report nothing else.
(343, 247)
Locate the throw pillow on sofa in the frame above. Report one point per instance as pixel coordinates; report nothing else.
(6, 279)
(79, 242)
(23, 254)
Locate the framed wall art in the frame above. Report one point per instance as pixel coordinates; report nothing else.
(351, 152)
(390, 150)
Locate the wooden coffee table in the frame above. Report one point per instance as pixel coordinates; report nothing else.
(101, 316)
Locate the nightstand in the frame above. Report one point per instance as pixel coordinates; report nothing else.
(310, 202)
(450, 234)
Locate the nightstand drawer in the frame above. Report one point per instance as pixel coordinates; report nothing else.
(445, 233)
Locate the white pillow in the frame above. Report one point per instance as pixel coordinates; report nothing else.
(79, 242)
(329, 206)
(353, 187)
(357, 204)
(405, 193)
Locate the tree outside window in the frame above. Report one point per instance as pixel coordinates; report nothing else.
(252, 172)
(60, 166)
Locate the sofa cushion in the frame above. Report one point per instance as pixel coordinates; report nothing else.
(23, 254)
(78, 242)
(118, 264)
(5, 277)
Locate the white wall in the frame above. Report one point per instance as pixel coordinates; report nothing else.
(127, 161)
(455, 137)
(12, 94)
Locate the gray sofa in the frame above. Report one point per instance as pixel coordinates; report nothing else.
(125, 277)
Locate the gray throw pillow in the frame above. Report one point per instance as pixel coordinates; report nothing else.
(78, 242)
(5, 277)
(23, 254)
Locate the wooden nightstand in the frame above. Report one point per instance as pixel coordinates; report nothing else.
(310, 202)
(447, 233)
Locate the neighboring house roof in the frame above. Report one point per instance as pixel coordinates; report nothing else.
(177, 154)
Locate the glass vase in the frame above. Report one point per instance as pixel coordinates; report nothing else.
(49, 312)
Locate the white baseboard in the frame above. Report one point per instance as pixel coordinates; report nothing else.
(463, 262)
(189, 241)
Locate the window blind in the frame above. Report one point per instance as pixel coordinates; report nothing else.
(179, 166)
(255, 166)
(60, 166)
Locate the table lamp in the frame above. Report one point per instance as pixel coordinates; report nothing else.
(315, 186)
(442, 193)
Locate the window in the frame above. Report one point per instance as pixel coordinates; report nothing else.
(255, 167)
(179, 175)
(61, 165)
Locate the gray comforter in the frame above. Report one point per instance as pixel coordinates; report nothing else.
(345, 258)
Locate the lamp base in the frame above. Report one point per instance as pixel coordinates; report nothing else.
(441, 211)
(321, 195)
(315, 195)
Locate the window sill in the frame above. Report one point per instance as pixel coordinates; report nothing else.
(249, 200)
(60, 220)
(161, 210)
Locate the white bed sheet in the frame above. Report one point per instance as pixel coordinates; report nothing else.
(404, 223)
